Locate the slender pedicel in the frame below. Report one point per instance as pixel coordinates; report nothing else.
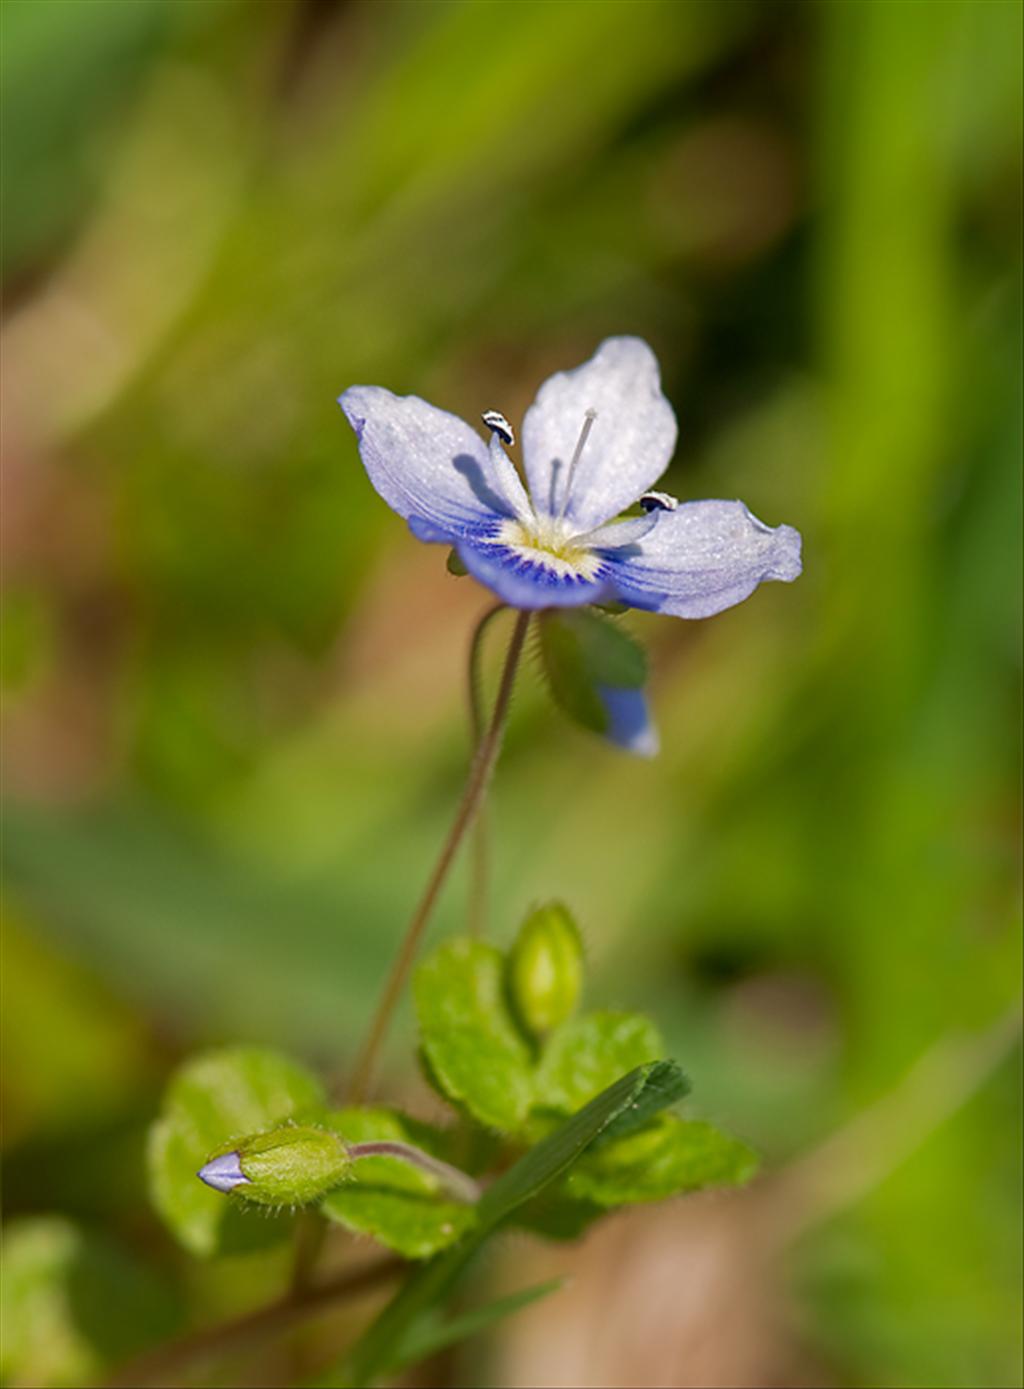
(588, 424)
(478, 871)
(460, 1186)
(476, 786)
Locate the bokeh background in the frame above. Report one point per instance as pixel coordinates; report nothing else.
(233, 682)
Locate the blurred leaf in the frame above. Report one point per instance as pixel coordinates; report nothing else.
(72, 1305)
(72, 1050)
(212, 1099)
(391, 1200)
(475, 1050)
(588, 1054)
(668, 1158)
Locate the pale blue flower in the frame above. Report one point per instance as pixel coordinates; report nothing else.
(594, 442)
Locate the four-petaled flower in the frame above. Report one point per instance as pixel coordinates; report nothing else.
(594, 442)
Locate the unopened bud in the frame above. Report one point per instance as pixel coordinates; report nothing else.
(287, 1166)
(545, 969)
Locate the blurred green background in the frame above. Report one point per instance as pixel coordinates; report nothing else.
(233, 682)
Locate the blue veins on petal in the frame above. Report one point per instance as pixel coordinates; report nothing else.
(594, 441)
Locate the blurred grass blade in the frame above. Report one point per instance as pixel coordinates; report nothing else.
(431, 1337)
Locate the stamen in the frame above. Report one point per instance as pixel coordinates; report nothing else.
(498, 424)
(658, 501)
(588, 424)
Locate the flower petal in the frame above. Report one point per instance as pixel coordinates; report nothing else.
(629, 445)
(522, 581)
(427, 464)
(703, 557)
(223, 1173)
(629, 720)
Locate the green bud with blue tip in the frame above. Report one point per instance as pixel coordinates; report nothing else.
(287, 1166)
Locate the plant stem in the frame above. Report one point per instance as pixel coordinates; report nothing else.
(162, 1365)
(476, 785)
(459, 1185)
(479, 857)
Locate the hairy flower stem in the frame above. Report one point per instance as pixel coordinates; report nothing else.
(479, 858)
(460, 1186)
(476, 785)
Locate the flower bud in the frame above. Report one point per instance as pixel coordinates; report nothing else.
(545, 969)
(287, 1166)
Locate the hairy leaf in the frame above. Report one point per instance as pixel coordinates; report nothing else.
(587, 1054)
(475, 1051)
(666, 1158)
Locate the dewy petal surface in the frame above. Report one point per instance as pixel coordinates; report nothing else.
(629, 445)
(702, 558)
(428, 465)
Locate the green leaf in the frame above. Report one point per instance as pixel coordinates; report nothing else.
(582, 649)
(72, 1305)
(588, 1054)
(397, 1204)
(666, 1158)
(475, 1051)
(211, 1100)
(541, 1166)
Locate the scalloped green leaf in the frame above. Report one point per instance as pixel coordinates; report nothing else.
(214, 1098)
(668, 1157)
(587, 1054)
(476, 1053)
(72, 1305)
(395, 1203)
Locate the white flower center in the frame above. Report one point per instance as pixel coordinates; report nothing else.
(550, 541)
